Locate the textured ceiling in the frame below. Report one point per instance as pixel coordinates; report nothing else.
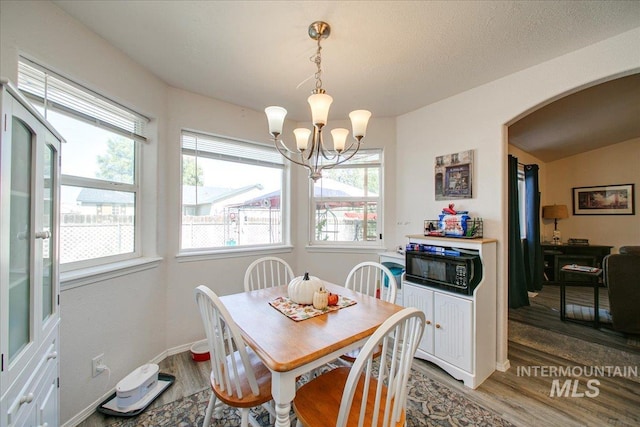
(390, 57)
(601, 115)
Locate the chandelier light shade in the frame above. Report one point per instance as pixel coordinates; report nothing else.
(313, 154)
(275, 116)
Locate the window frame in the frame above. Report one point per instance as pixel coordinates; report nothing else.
(136, 132)
(359, 245)
(212, 252)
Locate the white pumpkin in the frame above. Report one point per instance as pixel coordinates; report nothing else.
(321, 299)
(302, 288)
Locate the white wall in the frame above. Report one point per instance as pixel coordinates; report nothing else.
(614, 164)
(120, 317)
(477, 119)
(223, 275)
(135, 318)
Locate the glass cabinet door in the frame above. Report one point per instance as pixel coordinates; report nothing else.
(48, 249)
(20, 238)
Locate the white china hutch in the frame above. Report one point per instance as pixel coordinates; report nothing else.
(29, 287)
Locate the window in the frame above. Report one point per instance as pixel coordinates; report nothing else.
(233, 194)
(522, 202)
(346, 203)
(99, 203)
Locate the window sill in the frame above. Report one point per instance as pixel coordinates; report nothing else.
(231, 253)
(87, 276)
(345, 249)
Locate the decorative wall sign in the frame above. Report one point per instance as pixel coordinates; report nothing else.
(604, 200)
(453, 174)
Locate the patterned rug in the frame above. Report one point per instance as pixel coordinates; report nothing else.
(429, 403)
(580, 312)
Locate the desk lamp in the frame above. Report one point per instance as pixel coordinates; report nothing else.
(555, 212)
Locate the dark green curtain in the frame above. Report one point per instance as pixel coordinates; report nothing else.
(518, 296)
(535, 262)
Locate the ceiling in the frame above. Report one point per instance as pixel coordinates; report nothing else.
(592, 118)
(390, 57)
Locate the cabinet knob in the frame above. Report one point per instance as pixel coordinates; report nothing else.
(43, 234)
(28, 398)
(52, 355)
(437, 325)
(428, 322)
(45, 425)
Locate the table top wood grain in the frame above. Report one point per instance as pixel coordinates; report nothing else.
(284, 344)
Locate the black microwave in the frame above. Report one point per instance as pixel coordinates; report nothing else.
(444, 268)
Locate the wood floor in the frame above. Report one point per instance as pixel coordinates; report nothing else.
(544, 312)
(537, 339)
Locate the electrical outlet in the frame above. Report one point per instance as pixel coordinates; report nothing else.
(95, 363)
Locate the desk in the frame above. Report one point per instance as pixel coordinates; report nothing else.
(593, 281)
(557, 256)
(290, 348)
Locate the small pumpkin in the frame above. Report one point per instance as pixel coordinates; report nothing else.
(302, 288)
(321, 299)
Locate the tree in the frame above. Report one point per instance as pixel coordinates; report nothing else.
(355, 177)
(190, 174)
(117, 164)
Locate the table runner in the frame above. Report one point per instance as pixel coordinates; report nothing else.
(299, 312)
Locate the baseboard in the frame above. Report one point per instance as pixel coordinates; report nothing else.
(503, 366)
(88, 411)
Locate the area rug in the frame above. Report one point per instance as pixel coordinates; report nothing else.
(429, 403)
(580, 312)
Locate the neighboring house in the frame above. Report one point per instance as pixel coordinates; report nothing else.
(94, 201)
(328, 188)
(201, 200)
(337, 215)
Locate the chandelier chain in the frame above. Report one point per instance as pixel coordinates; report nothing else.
(317, 59)
(310, 153)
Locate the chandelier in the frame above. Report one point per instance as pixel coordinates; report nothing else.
(316, 156)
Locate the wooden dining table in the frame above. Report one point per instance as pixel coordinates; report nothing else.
(291, 348)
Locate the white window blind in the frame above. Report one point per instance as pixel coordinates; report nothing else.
(62, 95)
(215, 147)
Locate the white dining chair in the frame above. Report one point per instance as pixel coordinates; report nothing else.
(369, 393)
(369, 278)
(267, 272)
(238, 377)
(373, 279)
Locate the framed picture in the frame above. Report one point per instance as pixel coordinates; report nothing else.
(453, 174)
(604, 200)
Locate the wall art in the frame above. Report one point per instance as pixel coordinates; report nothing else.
(604, 200)
(453, 176)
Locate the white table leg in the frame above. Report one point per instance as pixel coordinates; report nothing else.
(283, 390)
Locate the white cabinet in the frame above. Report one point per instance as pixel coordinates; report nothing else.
(29, 287)
(448, 332)
(460, 331)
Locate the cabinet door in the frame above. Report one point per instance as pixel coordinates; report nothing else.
(18, 248)
(46, 242)
(29, 154)
(453, 330)
(422, 299)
